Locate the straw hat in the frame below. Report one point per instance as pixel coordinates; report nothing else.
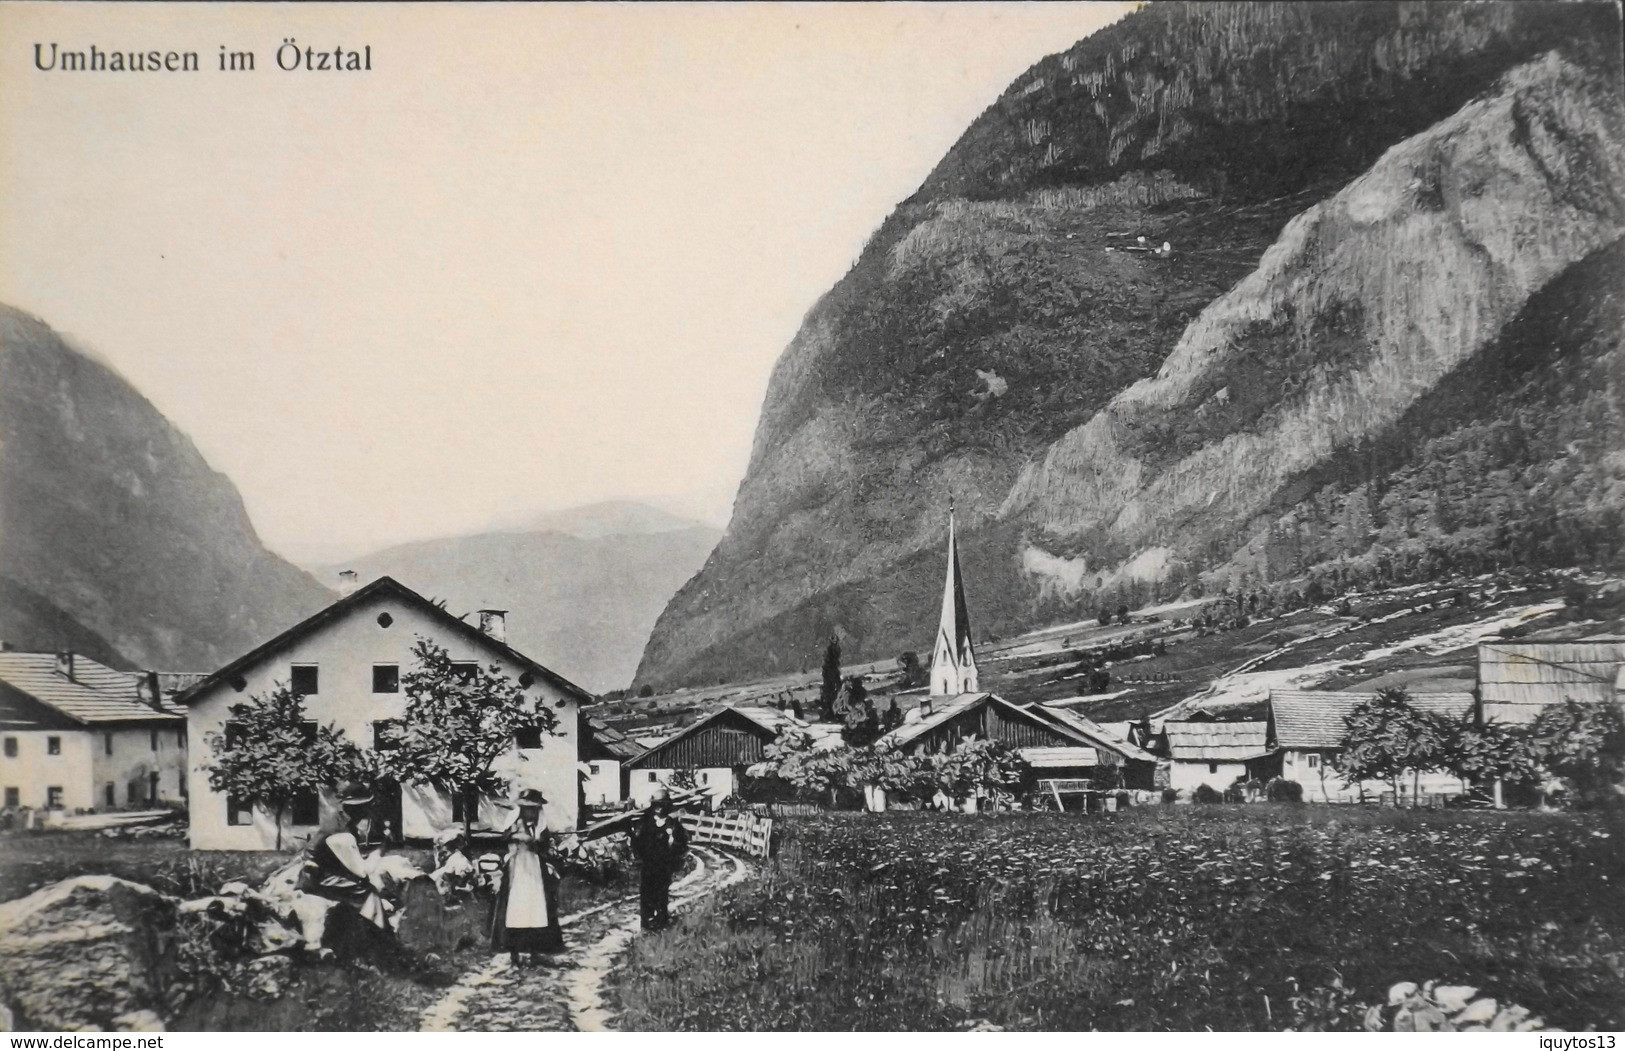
(531, 797)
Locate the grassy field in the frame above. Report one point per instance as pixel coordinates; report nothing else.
(1235, 918)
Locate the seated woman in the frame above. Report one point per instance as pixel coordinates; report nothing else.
(334, 867)
(526, 917)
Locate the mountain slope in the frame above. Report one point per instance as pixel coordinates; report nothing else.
(1005, 309)
(581, 604)
(115, 536)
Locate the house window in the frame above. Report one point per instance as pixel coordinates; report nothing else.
(155, 740)
(652, 778)
(239, 811)
(109, 795)
(386, 678)
(308, 729)
(464, 803)
(233, 735)
(465, 670)
(529, 738)
(180, 783)
(107, 743)
(53, 798)
(303, 680)
(14, 797)
(152, 787)
(593, 769)
(306, 809)
(180, 738)
(705, 778)
(1213, 768)
(53, 746)
(1313, 760)
(386, 734)
(11, 748)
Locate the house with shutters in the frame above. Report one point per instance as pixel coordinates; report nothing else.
(77, 735)
(347, 661)
(1210, 752)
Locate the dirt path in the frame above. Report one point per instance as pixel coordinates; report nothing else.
(568, 995)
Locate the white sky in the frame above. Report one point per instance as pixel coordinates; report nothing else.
(540, 256)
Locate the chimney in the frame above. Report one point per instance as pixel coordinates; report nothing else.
(494, 622)
(349, 581)
(151, 691)
(64, 664)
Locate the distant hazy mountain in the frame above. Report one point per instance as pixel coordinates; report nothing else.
(116, 538)
(609, 518)
(583, 587)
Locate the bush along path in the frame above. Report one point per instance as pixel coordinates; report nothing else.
(567, 994)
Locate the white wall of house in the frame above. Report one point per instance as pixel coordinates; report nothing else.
(1323, 784)
(1187, 775)
(127, 757)
(601, 782)
(345, 652)
(717, 781)
(34, 771)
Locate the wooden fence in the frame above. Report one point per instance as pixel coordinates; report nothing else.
(747, 833)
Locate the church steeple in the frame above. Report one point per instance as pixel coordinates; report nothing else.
(953, 661)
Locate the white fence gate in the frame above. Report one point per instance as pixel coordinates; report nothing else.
(747, 833)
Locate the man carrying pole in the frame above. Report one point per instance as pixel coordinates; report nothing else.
(660, 842)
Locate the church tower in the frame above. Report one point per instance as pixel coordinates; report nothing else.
(953, 661)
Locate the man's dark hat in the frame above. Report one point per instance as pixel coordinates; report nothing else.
(352, 794)
(531, 797)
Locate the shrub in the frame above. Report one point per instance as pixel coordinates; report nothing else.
(1235, 793)
(1170, 795)
(1281, 790)
(1207, 794)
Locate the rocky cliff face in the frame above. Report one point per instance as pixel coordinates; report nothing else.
(1358, 199)
(116, 538)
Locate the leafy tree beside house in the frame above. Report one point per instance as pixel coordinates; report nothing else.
(459, 719)
(1386, 736)
(270, 755)
(1584, 745)
(1482, 754)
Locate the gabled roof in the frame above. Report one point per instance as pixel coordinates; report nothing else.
(383, 586)
(1314, 719)
(768, 722)
(945, 709)
(611, 740)
(1093, 732)
(1208, 742)
(1517, 680)
(96, 695)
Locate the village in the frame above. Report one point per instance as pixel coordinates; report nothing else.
(254, 758)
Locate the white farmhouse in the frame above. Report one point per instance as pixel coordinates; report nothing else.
(77, 735)
(348, 662)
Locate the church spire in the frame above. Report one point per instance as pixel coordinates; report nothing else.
(953, 660)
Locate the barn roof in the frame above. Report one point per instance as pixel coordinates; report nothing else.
(1206, 742)
(611, 740)
(1519, 679)
(96, 695)
(764, 722)
(1095, 733)
(344, 606)
(1314, 719)
(1051, 758)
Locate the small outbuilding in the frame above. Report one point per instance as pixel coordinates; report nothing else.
(1210, 752)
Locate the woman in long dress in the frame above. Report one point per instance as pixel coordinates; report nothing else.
(526, 917)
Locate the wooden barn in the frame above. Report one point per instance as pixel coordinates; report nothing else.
(1120, 760)
(1055, 749)
(1518, 680)
(716, 750)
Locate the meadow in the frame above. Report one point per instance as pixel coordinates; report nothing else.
(1258, 917)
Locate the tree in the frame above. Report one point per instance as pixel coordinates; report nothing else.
(910, 672)
(1484, 754)
(646, 690)
(1584, 744)
(460, 719)
(981, 767)
(893, 717)
(1105, 616)
(1386, 736)
(791, 757)
(1122, 614)
(270, 754)
(885, 768)
(831, 687)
